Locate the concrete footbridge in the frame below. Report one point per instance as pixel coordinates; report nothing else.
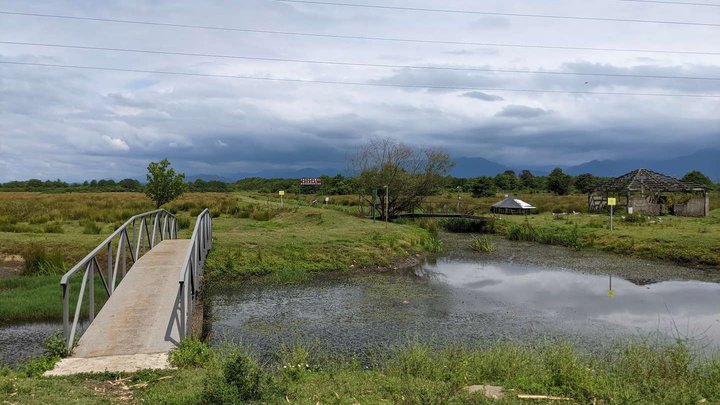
(151, 280)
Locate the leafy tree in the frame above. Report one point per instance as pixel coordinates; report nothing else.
(130, 185)
(585, 183)
(507, 180)
(559, 182)
(483, 187)
(164, 185)
(696, 177)
(411, 175)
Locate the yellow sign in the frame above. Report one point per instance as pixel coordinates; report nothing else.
(611, 293)
(281, 192)
(612, 201)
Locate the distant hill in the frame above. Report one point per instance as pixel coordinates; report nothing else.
(269, 174)
(475, 167)
(706, 161)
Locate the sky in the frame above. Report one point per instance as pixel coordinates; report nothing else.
(77, 124)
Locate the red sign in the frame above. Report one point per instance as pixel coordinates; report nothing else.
(310, 182)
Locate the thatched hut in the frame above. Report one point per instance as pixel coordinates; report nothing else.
(644, 191)
(511, 206)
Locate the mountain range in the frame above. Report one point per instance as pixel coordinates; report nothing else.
(707, 161)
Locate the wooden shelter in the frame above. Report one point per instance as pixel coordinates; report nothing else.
(511, 206)
(644, 191)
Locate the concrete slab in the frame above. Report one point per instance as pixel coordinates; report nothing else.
(124, 363)
(141, 315)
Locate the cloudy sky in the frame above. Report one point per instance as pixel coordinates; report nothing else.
(75, 124)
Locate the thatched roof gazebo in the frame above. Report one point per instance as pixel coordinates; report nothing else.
(647, 192)
(511, 206)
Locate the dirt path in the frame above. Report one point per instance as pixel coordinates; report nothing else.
(11, 265)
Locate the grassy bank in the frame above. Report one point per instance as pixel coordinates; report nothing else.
(286, 244)
(687, 241)
(254, 239)
(636, 373)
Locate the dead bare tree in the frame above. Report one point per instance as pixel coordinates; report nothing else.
(411, 175)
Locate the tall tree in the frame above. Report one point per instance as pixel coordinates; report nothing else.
(585, 183)
(164, 185)
(483, 187)
(559, 182)
(697, 177)
(411, 175)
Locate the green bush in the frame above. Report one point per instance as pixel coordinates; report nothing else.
(460, 225)
(39, 365)
(91, 227)
(53, 227)
(183, 222)
(190, 353)
(55, 345)
(39, 261)
(242, 380)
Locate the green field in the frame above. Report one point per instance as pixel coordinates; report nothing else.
(254, 240)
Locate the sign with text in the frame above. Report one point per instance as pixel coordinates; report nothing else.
(311, 182)
(281, 192)
(612, 201)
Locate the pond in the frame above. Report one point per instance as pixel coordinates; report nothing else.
(465, 301)
(19, 342)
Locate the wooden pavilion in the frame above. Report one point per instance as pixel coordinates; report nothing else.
(644, 191)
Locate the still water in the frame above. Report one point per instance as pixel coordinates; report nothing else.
(446, 302)
(463, 301)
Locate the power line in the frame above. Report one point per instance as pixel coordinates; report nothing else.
(683, 3)
(359, 37)
(498, 14)
(358, 64)
(347, 83)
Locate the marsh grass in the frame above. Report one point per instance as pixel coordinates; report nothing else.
(41, 261)
(415, 373)
(481, 244)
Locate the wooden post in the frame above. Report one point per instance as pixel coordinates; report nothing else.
(387, 205)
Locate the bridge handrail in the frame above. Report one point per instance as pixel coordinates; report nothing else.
(164, 226)
(192, 270)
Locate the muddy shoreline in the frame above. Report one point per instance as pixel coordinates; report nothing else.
(456, 246)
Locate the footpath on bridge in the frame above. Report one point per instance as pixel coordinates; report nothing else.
(138, 326)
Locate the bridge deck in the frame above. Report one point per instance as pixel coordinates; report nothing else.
(138, 319)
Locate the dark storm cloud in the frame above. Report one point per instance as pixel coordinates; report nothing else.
(78, 124)
(522, 111)
(479, 95)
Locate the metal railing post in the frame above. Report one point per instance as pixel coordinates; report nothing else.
(110, 278)
(91, 292)
(66, 313)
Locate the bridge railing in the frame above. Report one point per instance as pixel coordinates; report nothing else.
(192, 271)
(130, 241)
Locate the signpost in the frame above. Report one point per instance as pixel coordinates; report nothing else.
(612, 202)
(308, 181)
(282, 193)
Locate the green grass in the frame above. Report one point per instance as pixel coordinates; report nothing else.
(689, 241)
(39, 298)
(297, 240)
(637, 373)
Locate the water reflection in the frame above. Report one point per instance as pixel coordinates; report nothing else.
(682, 309)
(453, 301)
